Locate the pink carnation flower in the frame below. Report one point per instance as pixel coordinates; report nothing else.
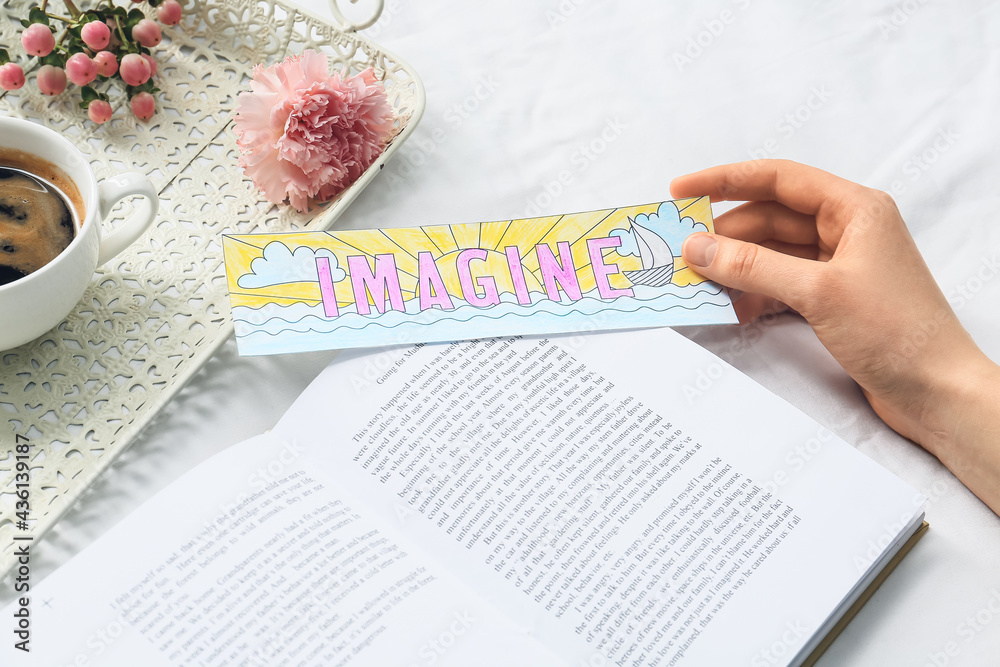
(305, 134)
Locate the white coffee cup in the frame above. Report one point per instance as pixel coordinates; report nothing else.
(32, 305)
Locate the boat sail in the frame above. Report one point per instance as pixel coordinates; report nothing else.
(657, 258)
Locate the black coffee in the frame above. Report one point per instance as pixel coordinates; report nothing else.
(36, 223)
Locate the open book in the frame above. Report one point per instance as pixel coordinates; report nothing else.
(620, 498)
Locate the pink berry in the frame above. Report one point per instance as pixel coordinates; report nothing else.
(80, 69)
(143, 106)
(99, 111)
(147, 33)
(51, 80)
(134, 69)
(169, 12)
(106, 63)
(152, 64)
(11, 76)
(38, 40)
(96, 35)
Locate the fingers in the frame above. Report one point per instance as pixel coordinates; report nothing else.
(750, 307)
(766, 220)
(799, 187)
(793, 249)
(752, 268)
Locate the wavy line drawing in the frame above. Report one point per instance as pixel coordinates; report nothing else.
(472, 316)
(291, 318)
(442, 316)
(541, 306)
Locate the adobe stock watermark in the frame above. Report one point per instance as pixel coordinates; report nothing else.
(711, 30)
(581, 159)
(920, 503)
(917, 340)
(792, 121)
(436, 647)
(277, 467)
(269, 473)
(577, 338)
(419, 147)
(777, 652)
(391, 9)
(900, 15)
(796, 460)
(106, 633)
(924, 333)
(965, 291)
(377, 368)
(919, 163)
(563, 12)
(704, 380)
(596, 659)
(971, 626)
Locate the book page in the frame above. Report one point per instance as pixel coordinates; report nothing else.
(253, 559)
(584, 488)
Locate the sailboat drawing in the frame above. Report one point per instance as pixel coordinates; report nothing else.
(657, 258)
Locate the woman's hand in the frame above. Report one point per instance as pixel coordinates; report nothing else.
(840, 255)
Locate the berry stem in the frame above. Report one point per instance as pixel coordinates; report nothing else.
(72, 8)
(121, 31)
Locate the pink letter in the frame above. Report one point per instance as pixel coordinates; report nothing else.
(430, 281)
(469, 293)
(517, 275)
(384, 281)
(595, 247)
(326, 287)
(553, 274)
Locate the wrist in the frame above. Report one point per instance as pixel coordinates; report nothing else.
(960, 424)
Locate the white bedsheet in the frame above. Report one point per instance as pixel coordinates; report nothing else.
(554, 106)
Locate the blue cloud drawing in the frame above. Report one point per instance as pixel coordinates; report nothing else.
(628, 246)
(280, 265)
(667, 222)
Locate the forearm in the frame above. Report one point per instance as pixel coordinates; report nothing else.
(962, 427)
(839, 254)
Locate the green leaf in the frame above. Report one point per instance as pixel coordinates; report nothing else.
(4, 57)
(54, 59)
(25, 22)
(83, 105)
(154, 3)
(36, 15)
(89, 94)
(135, 15)
(148, 87)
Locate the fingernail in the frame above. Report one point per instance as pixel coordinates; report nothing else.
(701, 249)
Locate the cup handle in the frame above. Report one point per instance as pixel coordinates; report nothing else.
(111, 191)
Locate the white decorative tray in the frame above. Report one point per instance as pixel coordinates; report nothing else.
(155, 314)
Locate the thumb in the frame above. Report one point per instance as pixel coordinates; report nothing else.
(749, 267)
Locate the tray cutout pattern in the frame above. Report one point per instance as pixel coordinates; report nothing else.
(156, 313)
